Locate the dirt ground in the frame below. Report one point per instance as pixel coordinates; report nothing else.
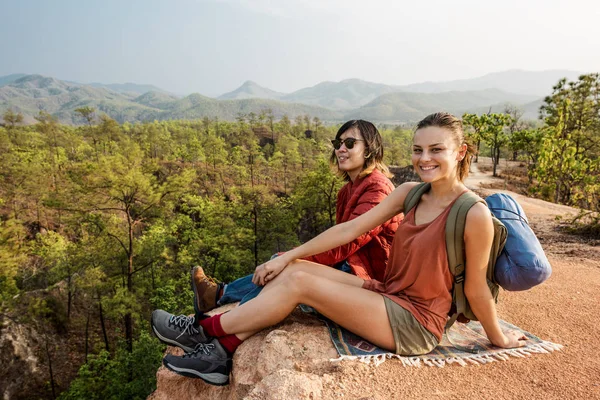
(565, 310)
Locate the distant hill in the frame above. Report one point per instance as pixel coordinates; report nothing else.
(251, 90)
(10, 78)
(329, 101)
(33, 93)
(411, 107)
(127, 87)
(196, 106)
(531, 110)
(535, 83)
(344, 95)
(351, 94)
(158, 100)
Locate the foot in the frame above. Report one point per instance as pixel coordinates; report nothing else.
(209, 362)
(205, 290)
(180, 331)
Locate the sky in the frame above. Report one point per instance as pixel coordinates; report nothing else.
(212, 46)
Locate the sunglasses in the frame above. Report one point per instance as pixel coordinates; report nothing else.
(348, 142)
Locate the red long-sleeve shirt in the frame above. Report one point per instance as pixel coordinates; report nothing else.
(368, 254)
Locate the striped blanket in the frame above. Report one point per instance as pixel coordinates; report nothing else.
(471, 336)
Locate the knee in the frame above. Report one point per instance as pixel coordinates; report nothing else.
(291, 268)
(297, 281)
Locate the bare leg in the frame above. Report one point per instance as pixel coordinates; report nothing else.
(313, 269)
(335, 294)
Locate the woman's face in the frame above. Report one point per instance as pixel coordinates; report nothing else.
(435, 155)
(351, 160)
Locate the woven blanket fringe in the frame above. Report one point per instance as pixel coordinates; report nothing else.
(474, 359)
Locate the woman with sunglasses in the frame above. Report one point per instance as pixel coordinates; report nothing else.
(358, 158)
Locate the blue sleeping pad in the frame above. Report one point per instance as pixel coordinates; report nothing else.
(522, 263)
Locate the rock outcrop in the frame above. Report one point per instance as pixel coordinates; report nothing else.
(288, 361)
(20, 372)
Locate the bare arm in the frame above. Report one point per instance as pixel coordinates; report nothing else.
(479, 233)
(374, 194)
(337, 235)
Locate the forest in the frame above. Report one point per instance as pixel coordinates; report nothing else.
(101, 222)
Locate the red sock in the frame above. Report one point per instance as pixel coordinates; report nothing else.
(230, 342)
(212, 326)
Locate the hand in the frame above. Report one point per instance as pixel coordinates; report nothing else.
(513, 339)
(268, 271)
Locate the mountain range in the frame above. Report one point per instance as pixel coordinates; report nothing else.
(329, 101)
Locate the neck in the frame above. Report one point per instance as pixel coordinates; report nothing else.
(446, 189)
(353, 175)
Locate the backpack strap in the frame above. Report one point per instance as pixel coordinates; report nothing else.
(414, 195)
(455, 247)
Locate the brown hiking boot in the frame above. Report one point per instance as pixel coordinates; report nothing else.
(205, 290)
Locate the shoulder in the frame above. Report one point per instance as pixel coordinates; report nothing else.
(399, 194)
(479, 220)
(407, 186)
(375, 182)
(377, 178)
(479, 213)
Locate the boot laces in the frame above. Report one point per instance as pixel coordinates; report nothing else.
(185, 324)
(201, 348)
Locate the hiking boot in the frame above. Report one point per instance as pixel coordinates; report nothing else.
(180, 331)
(205, 291)
(209, 362)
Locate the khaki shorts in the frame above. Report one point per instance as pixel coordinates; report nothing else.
(410, 336)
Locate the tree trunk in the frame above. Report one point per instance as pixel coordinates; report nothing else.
(495, 159)
(329, 204)
(128, 332)
(103, 325)
(255, 214)
(128, 317)
(69, 295)
(52, 383)
(87, 335)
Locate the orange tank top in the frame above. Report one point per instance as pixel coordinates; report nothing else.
(417, 275)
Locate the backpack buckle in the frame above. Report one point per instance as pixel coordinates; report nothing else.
(460, 278)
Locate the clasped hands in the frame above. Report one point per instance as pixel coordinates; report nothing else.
(266, 272)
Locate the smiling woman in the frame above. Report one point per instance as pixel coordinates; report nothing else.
(358, 150)
(434, 150)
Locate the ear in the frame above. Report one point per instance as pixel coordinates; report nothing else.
(462, 152)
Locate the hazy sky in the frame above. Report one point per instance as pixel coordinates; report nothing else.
(213, 46)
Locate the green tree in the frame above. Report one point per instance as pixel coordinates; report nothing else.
(568, 162)
(489, 128)
(528, 142)
(314, 200)
(124, 198)
(12, 119)
(13, 250)
(87, 113)
(496, 136)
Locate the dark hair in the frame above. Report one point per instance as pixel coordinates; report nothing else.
(454, 126)
(373, 148)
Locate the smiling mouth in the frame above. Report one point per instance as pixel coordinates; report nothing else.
(342, 159)
(428, 168)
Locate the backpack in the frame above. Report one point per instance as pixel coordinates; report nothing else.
(516, 262)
